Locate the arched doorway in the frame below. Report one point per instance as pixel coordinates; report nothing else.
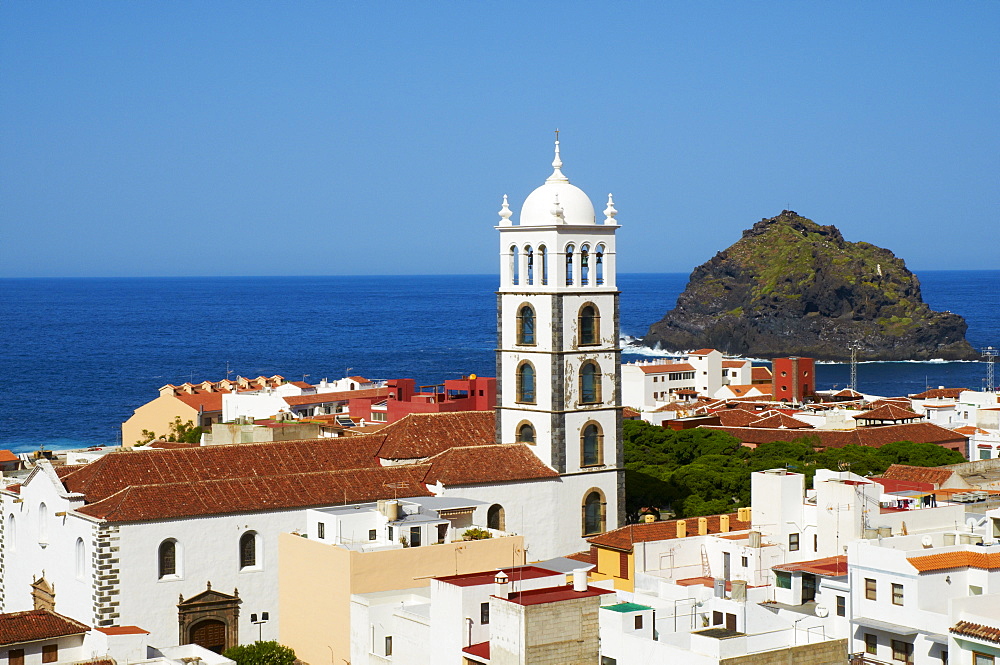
(210, 634)
(495, 518)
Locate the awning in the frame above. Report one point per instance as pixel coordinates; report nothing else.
(896, 628)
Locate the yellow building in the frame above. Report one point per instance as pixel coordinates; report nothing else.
(316, 580)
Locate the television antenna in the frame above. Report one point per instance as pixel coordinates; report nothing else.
(989, 355)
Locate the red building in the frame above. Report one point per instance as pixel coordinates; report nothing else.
(470, 393)
(794, 379)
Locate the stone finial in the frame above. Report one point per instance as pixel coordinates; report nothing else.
(557, 211)
(610, 211)
(208, 585)
(505, 212)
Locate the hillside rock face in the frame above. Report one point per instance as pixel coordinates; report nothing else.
(792, 287)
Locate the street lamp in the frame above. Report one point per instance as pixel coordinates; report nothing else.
(259, 623)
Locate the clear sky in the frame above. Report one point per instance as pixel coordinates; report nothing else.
(316, 138)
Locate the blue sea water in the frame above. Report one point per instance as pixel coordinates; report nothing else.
(78, 355)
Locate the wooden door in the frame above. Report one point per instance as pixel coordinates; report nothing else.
(210, 634)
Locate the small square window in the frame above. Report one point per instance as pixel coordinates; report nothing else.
(50, 653)
(902, 651)
(897, 594)
(870, 593)
(744, 561)
(15, 657)
(871, 643)
(638, 622)
(841, 606)
(372, 534)
(793, 542)
(982, 659)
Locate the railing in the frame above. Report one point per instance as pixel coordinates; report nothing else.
(864, 659)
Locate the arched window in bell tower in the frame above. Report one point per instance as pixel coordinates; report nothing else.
(593, 512)
(599, 265)
(591, 445)
(589, 324)
(543, 260)
(569, 264)
(529, 259)
(525, 325)
(515, 266)
(590, 383)
(526, 433)
(585, 265)
(526, 383)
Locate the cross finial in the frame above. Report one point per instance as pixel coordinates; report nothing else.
(557, 134)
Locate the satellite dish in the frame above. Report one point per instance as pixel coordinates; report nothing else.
(926, 541)
(821, 611)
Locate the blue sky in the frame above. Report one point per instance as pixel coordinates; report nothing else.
(314, 138)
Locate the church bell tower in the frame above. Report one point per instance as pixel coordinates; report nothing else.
(558, 354)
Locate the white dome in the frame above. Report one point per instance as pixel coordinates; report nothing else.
(576, 205)
(557, 201)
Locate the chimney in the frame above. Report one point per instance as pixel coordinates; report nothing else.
(500, 586)
(724, 524)
(580, 579)
(681, 529)
(702, 526)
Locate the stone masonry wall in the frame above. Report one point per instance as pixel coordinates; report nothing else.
(106, 566)
(832, 652)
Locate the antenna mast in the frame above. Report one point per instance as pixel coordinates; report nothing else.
(854, 366)
(989, 355)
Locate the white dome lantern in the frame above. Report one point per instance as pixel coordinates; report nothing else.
(557, 194)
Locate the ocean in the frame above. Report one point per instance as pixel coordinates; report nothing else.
(79, 355)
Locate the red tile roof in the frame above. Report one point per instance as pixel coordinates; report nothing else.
(338, 396)
(780, 420)
(735, 364)
(736, 417)
(960, 559)
(888, 411)
(7, 456)
(628, 412)
(831, 566)
(969, 430)
(487, 576)
(623, 538)
(761, 374)
(139, 503)
(121, 630)
(939, 393)
(668, 367)
(426, 434)
(486, 464)
(587, 557)
(865, 436)
(16, 627)
(203, 401)
(480, 649)
(977, 630)
(701, 352)
(918, 474)
(847, 392)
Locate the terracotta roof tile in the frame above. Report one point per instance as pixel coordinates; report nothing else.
(865, 436)
(628, 412)
(781, 420)
(761, 374)
(918, 474)
(666, 367)
(587, 556)
(939, 393)
(701, 352)
(888, 411)
(734, 364)
(977, 630)
(736, 417)
(831, 566)
(623, 538)
(741, 391)
(960, 559)
(7, 456)
(419, 435)
(338, 396)
(32, 625)
(486, 464)
(298, 490)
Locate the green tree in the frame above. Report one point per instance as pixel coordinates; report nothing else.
(261, 653)
(180, 431)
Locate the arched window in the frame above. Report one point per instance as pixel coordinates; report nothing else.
(81, 559)
(526, 433)
(526, 383)
(515, 266)
(585, 265)
(10, 534)
(168, 558)
(591, 445)
(589, 323)
(495, 517)
(599, 265)
(248, 549)
(526, 325)
(590, 383)
(593, 513)
(569, 265)
(43, 523)
(543, 259)
(529, 256)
